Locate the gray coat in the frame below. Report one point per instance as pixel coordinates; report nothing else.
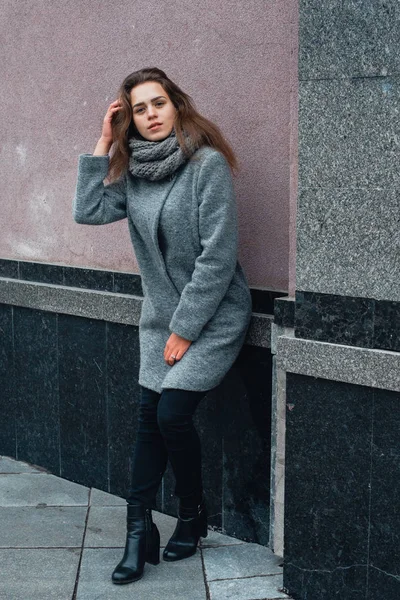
(185, 237)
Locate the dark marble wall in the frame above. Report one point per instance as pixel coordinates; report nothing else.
(69, 398)
(36, 406)
(94, 279)
(353, 321)
(342, 523)
(284, 311)
(7, 388)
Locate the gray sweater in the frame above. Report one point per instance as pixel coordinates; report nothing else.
(185, 237)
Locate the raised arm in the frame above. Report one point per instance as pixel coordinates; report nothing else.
(95, 203)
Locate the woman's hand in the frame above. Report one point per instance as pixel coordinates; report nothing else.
(176, 346)
(106, 132)
(106, 140)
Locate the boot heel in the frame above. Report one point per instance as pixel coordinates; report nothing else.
(203, 529)
(153, 554)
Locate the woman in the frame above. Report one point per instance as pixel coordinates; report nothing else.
(169, 175)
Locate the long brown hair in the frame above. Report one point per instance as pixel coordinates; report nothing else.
(187, 119)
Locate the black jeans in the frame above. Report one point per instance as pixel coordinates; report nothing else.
(165, 431)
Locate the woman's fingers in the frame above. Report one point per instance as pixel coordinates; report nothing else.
(175, 349)
(172, 355)
(177, 354)
(114, 107)
(111, 111)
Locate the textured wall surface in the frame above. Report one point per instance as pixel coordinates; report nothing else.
(62, 65)
(348, 238)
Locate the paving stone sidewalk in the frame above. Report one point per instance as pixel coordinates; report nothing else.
(61, 541)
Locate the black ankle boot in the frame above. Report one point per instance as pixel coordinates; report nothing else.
(142, 545)
(192, 523)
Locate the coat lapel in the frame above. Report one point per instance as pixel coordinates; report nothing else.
(148, 201)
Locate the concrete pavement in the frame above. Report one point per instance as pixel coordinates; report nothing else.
(61, 541)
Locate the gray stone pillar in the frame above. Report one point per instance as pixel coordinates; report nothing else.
(342, 365)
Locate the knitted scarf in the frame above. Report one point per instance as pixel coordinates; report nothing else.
(156, 160)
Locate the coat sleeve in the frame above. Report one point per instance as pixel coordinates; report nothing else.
(95, 203)
(215, 266)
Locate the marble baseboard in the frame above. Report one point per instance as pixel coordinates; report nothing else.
(105, 281)
(351, 364)
(387, 325)
(95, 279)
(93, 304)
(106, 306)
(284, 311)
(348, 320)
(264, 300)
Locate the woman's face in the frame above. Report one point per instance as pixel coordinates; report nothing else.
(150, 105)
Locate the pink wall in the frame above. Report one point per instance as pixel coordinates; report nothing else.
(63, 62)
